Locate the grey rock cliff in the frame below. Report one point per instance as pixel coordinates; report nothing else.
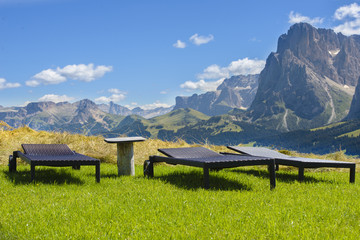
(354, 112)
(235, 92)
(309, 80)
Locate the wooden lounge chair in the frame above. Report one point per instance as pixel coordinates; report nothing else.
(55, 155)
(299, 162)
(207, 159)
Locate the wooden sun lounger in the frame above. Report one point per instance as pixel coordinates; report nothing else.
(207, 159)
(55, 155)
(299, 162)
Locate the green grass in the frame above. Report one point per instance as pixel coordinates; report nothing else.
(352, 134)
(67, 204)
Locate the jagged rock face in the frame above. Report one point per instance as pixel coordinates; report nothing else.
(305, 82)
(354, 112)
(114, 108)
(35, 107)
(119, 110)
(234, 92)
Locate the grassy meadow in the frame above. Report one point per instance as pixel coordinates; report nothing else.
(68, 204)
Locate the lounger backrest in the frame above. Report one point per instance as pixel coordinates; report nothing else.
(191, 152)
(47, 149)
(259, 151)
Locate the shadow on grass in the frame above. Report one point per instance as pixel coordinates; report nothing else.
(194, 180)
(44, 176)
(280, 176)
(109, 175)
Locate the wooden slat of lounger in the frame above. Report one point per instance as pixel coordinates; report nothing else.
(47, 149)
(265, 152)
(190, 152)
(298, 162)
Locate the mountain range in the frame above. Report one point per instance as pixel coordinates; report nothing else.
(308, 86)
(235, 92)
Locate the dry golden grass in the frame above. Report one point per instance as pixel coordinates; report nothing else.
(95, 146)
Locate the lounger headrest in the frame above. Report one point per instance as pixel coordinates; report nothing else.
(190, 152)
(258, 151)
(47, 149)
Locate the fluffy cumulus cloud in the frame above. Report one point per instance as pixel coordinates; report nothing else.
(202, 85)
(154, 105)
(80, 72)
(297, 18)
(4, 84)
(179, 44)
(350, 14)
(55, 98)
(199, 40)
(239, 67)
(116, 96)
(48, 76)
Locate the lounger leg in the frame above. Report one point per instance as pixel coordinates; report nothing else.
(206, 178)
(32, 166)
(272, 174)
(276, 167)
(97, 172)
(149, 167)
(301, 174)
(76, 167)
(352, 174)
(12, 162)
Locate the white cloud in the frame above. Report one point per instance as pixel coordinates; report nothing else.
(48, 76)
(163, 92)
(55, 98)
(352, 11)
(201, 85)
(214, 71)
(154, 105)
(179, 44)
(113, 98)
(4, 84)
(116, 96)
(81, 72)
(116, 91)
(199, 40)
(239, 67)
(351, 15)
(246, 66)
(297, 18)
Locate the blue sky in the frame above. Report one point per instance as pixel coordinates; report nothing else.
(144, 53)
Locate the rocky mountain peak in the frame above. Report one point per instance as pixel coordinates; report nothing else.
(354, 112)
(235, 92)
(305, 83)
(85, 104)
(35, 107)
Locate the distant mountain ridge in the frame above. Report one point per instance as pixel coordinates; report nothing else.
(83, 116)
(235, 92)
(117, 109)
(309, 81)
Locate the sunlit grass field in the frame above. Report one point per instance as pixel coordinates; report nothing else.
(64, 203)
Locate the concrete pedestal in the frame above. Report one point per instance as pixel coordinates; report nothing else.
(125, 154)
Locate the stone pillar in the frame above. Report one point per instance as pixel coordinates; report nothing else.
(125, 159)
